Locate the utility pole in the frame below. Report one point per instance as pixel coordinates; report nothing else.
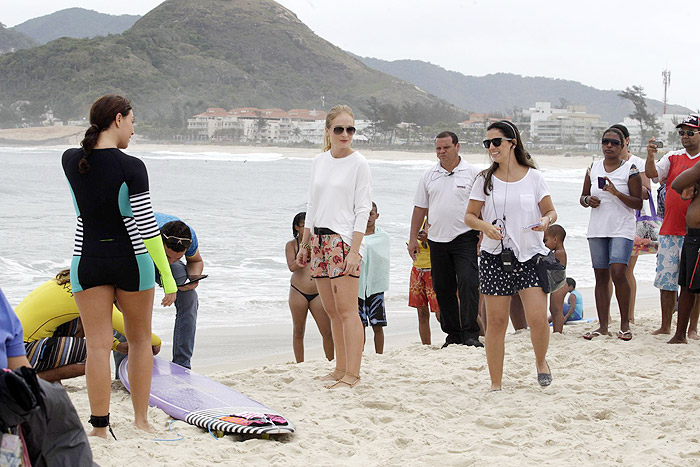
(667, 82)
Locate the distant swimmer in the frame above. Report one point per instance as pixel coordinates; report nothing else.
(304, 297)
(53, 333)
(117, 241)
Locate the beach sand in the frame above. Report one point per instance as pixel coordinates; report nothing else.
(611, 403)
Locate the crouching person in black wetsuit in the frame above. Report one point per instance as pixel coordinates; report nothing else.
(116, 243)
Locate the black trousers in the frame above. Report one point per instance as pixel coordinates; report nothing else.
(455, 271)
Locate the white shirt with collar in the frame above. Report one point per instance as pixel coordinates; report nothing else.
(446, 195)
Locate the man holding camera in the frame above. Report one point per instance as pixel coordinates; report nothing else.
(444, 190)
(673, 228)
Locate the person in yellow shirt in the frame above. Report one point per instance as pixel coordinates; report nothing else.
(421, 295)
(53, 334)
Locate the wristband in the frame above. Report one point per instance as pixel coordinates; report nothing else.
(305, 246)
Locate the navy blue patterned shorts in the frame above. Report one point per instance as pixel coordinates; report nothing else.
(493, 280)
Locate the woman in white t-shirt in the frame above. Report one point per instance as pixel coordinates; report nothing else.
(339, 203)
(646, 185)
(613, 189)
(515, 207)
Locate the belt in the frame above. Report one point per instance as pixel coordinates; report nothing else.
(323, 231)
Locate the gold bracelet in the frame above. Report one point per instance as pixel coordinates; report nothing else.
(305, 246)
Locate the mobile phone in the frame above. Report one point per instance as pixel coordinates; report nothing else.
(194, 279)
(532, 225)
(658, 144)
(601, 182)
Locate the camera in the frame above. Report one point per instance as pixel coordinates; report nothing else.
(658, 144)
(508, 259)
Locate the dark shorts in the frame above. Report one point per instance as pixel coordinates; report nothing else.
(372, 310)
(128, 273)
(493, 280)
(689, 269)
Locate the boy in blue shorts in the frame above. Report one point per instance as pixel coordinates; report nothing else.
(374, 279)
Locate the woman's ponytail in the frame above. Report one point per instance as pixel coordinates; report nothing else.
(102, 115)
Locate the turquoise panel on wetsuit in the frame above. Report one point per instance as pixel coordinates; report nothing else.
(147, 271)
(124, 203)
(74, 281)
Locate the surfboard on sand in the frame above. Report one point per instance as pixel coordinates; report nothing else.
(203, 402)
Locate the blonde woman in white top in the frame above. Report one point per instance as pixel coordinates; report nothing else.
(613, 189)
(339, 203)
(510, 203)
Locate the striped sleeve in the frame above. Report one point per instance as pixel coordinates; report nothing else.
(143, 215)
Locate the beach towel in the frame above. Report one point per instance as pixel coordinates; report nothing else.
(374, 275)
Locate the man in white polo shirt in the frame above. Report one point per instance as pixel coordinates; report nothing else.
(443, 191)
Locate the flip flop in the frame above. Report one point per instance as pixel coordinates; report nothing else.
(591, 334)
(624, 335)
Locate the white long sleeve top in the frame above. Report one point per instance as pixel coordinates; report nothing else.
(340, 194)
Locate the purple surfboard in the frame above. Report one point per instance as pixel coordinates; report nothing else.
(203, 402)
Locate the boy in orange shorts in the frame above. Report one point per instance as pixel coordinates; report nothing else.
(420, 292)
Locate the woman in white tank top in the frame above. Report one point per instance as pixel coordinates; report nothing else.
(613, 189)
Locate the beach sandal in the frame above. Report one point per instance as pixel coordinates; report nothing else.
(624, 335)
(331, 377)
(591, 334)
(344, 384)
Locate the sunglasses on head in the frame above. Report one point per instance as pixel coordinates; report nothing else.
(613, 142)
(687, 132)
(495, 141)
(184, 242)
(338, 130)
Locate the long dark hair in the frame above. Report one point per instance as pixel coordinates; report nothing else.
(509, 130)
(102, 114)
(295, 223)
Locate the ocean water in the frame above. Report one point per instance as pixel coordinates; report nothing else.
(241, 206)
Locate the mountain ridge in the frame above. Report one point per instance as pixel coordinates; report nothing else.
(78, 23)
(502, 92)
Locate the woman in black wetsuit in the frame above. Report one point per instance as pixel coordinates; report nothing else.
(116, 243)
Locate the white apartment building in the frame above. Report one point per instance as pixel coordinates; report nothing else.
(266, 125)
(572, 125)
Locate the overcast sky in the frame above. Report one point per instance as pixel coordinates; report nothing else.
(607, 45)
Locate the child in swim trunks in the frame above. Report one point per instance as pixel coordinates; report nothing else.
(421, 295)
(374, 279)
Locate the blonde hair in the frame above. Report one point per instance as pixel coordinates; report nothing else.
(334, 112)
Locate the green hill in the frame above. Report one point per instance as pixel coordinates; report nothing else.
(186, 55)
(75, 22)
(502, 92)
(11, 40)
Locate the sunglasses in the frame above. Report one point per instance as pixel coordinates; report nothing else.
(184, 242)
(495, 141)
(688, 132)
(338, 130)
(613, 142)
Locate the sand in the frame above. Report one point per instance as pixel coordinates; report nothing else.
(611, 403)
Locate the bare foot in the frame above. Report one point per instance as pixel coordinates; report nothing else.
(661, 331)
(693, 335)
(144, 426)
(677, 340)
(99, 432)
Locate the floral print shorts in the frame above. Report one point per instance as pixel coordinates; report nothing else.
(328, 257)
